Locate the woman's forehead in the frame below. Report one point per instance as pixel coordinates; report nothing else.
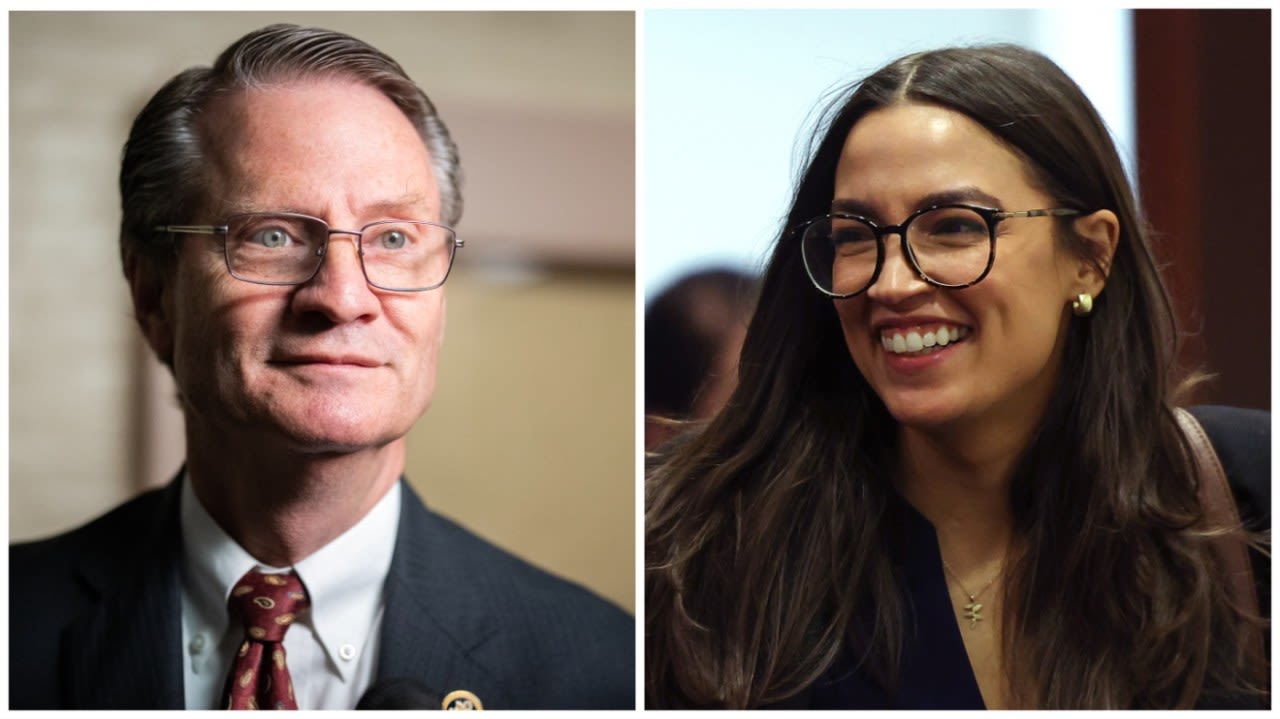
(910, 151)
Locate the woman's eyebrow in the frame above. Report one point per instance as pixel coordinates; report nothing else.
(969, 195)
(853, 207)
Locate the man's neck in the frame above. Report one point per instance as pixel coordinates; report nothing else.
(282, 506)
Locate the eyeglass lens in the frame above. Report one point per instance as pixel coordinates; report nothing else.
(952, 245)
(288, 249)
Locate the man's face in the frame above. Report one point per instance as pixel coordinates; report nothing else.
(332, 365)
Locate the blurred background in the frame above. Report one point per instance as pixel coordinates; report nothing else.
(732, 97)
(530, 439)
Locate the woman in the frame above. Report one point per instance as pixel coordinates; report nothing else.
(951, 476)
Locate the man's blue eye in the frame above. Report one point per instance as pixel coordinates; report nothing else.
(393, 240)
(273, 237)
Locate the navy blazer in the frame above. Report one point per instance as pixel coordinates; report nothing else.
(95, 618)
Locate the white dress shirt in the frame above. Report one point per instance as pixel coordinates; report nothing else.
(331, 650)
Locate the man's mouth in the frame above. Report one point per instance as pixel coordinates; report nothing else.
(333, 360)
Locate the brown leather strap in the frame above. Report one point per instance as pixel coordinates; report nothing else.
(1220, 507)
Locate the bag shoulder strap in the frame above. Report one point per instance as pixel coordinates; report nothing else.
(1220, 507)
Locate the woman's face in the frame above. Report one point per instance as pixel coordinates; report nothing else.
(1004, 336)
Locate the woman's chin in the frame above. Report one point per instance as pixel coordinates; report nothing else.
(922, 412)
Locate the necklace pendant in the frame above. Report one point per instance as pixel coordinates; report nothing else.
(973, 612)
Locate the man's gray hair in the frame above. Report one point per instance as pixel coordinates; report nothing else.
(162, 174)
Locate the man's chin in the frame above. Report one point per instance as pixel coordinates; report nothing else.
(317, 441)
(318, 432)
(305, 425)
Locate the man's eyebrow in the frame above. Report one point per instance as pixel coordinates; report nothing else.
(414, 201)
(399, 205)
(248, 208)
(964, 195)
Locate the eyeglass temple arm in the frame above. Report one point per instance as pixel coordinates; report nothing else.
(193, 229)
(1056, 212)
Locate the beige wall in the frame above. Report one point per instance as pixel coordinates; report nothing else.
(530, 440)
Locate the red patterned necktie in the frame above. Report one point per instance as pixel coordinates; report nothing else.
(267, 604)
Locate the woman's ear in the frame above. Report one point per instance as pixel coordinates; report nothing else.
(1101, 230)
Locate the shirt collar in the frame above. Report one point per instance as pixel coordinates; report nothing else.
(345, 579)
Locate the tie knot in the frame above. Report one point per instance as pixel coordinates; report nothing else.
(268, 603)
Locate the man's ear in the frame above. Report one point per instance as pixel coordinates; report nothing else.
(149, 290)
(1101, 230)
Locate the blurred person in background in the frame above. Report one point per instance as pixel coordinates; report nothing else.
(693, 333)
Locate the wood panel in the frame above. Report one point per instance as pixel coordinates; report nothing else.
(1203, 101)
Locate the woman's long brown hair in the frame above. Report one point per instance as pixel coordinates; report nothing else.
(767, 532)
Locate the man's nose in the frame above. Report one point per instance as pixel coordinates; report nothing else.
(898, 279)
(339, 289)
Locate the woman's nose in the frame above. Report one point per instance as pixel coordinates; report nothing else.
(898, 278)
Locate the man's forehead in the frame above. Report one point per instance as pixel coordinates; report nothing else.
(269, 148)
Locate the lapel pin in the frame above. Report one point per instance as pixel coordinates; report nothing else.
(461, 700)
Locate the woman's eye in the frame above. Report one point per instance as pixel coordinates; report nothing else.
(851, 234)
(959, 226)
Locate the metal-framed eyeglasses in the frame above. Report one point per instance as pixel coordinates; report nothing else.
(285, 248)
(949, 246)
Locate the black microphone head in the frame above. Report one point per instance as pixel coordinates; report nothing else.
(400, 693)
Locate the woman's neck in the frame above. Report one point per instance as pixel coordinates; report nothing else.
(961, 484)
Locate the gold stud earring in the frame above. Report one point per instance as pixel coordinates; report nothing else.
(1082, 305)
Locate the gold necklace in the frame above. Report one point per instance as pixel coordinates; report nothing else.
(973, 610)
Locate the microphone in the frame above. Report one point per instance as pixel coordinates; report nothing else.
(400, 693)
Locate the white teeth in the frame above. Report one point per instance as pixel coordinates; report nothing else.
(915, 341)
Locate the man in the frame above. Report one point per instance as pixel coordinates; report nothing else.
(286, 234)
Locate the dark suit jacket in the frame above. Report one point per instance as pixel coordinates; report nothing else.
(96, 614)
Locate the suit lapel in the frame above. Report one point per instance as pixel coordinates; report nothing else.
(436, 614)
(126, 652)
